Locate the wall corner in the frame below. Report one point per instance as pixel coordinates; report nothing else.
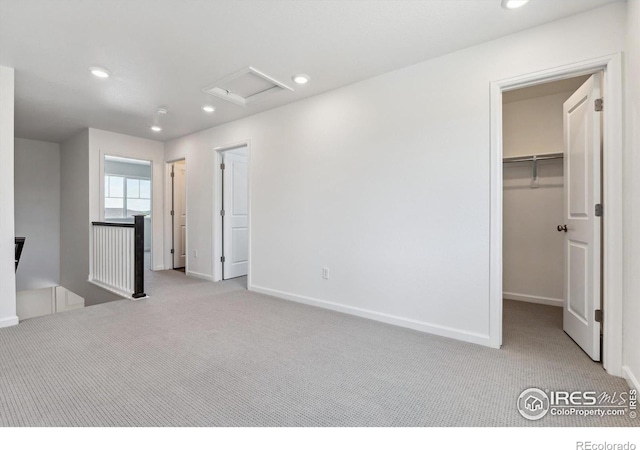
(7, 207)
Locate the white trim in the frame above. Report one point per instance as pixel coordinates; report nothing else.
(453, 333)
(495, 220)
(176, 159)
(167, 257)
(533, 299)
(168, 219)
(123, 294)
(217, 206)
(9, 321)
(632, 380)
(611, 65)
(201, 276)
(612, 198)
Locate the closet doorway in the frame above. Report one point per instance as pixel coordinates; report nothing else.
(179, 215)
(232, 232)
(552, 214)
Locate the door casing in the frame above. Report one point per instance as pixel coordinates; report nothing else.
(233, 221)
(217, 219)
(168, 221)
(174, 246)
(612, 255)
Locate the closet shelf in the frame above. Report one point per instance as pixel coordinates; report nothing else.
(541, 157)
(535, 159)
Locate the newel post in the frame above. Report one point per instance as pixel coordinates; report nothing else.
(138, 261)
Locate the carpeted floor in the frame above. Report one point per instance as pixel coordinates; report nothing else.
(202, 354)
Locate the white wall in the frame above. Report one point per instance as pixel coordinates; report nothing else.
(37, 212)
(7, 229)
(631, 355)
(75, 224)
(385, 182)
(82, 169)
(533, 252)
(533, 126)
(103, 143)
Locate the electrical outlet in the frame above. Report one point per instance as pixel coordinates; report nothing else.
(325, 273)
(195, 253)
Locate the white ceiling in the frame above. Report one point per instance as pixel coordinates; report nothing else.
(163, 52)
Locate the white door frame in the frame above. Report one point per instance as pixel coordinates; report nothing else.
(168, 220)
(217, 199)
(612, 255)
(173, 216)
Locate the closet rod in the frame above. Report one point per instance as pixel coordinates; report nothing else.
(533, 158)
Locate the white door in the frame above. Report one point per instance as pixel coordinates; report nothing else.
(235, 220)
(582, 142)
(179, 215)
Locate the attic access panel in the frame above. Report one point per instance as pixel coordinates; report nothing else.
(245, 86)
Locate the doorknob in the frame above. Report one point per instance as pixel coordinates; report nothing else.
(562, 228)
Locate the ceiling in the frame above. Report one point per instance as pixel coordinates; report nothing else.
(161, 53)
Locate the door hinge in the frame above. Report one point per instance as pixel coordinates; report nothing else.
(172, 251)
(172, 174)
(172, 213)
(222, 259)
(599, 210)
(598, 316)
(222, 213)
(222, 166)
(598, 103)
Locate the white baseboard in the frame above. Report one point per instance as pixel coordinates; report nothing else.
(461, 335)
(533, 299)
(9, 321)
(631, 378)
(201, 276)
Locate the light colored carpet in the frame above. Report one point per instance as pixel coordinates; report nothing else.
(204, 354)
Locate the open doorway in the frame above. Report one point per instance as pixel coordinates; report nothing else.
(233, 201)
(128, 193)
(552, 154)
(179, 215)
(584, 206)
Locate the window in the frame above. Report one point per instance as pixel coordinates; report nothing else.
(125, 196)
(127, 188)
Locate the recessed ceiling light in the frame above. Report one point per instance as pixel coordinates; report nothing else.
(300, 78)
(208, 108)
(156, 128)
(100, 72)
(513, 4)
